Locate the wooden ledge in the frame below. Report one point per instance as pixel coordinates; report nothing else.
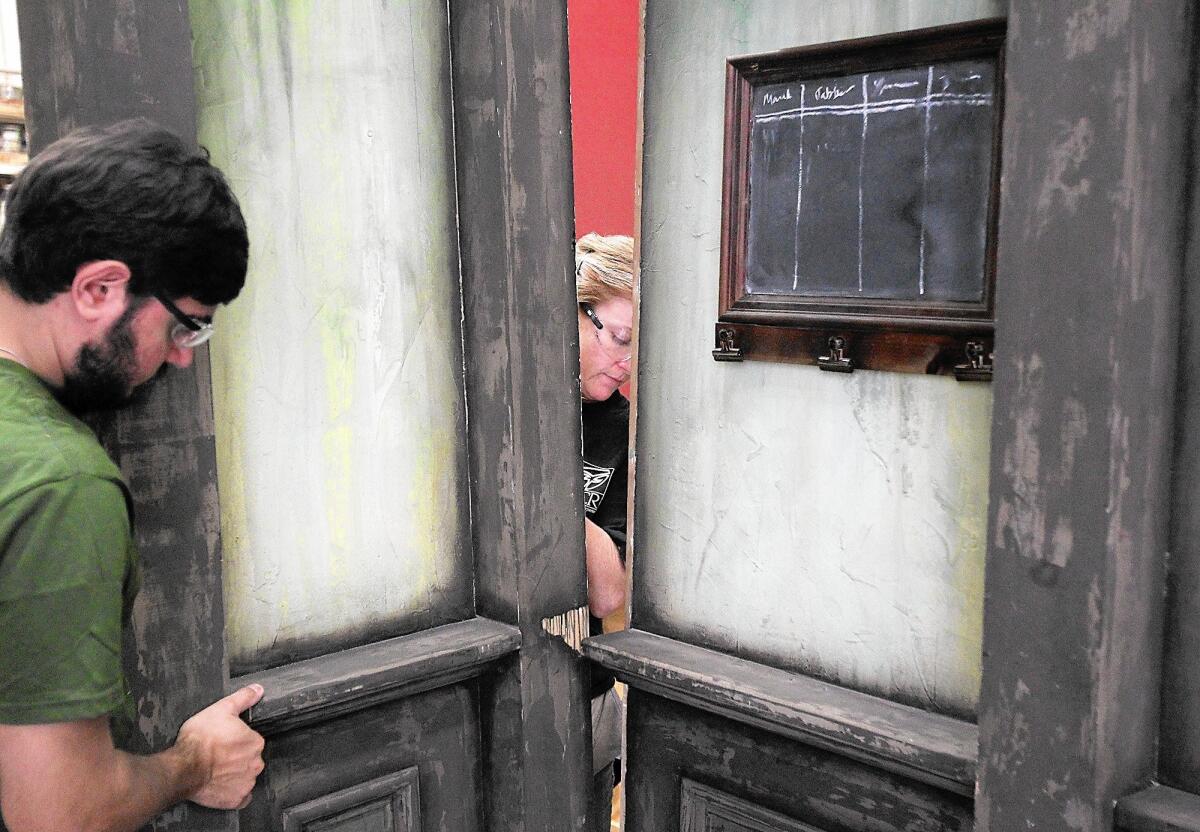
(1159, 809)
(318, 689)
(931, 748)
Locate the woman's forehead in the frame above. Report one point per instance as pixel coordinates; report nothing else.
(615, 311)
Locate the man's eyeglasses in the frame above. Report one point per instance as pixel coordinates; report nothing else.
(187, 332)
(618, 343)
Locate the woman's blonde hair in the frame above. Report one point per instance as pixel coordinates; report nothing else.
(603, 268)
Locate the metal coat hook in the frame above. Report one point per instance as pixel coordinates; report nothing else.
(978, 366)
(837, 361)
(727, 349)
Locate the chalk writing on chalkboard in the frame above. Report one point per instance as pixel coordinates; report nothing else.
(873, 185)
(859, 201)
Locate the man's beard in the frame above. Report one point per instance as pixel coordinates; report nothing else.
(102, 378)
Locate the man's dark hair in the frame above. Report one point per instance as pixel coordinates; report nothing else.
(131, 191)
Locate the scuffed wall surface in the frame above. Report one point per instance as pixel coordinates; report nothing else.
(337, 374)
(825, 523)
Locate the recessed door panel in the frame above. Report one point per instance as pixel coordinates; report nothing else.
(386, 804)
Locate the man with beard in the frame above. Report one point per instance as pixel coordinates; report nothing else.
(118, 245)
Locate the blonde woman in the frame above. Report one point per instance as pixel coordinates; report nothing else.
(604, 290)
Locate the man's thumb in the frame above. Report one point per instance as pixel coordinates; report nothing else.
(242, 699)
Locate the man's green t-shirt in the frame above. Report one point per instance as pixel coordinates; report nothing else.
(68, 565)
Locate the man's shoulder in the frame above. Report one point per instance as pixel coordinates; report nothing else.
(41, 442)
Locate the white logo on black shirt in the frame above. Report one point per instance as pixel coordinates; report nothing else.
(595, 486)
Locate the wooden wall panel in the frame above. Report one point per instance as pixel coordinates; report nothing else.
(96, 61)
(345, 767)
(668, 742)
(1088, 293)
(826, 523)
(391, 803)
(338, 375)
(703, 809)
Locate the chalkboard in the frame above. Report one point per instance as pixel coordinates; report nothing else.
(873, 185)
(861, 181)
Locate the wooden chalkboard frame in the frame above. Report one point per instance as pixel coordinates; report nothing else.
(835, 332)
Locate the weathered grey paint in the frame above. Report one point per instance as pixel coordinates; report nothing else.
(513, 153)
(320, 689)
(337, 376)
(87, 63)
(436, 732)
(1088, 293)
(825, 523)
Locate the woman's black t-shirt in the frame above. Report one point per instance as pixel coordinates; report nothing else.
(605, 484)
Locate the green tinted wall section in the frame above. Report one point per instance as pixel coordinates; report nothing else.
(337, 375)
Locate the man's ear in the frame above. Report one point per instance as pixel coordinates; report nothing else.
(100, 289)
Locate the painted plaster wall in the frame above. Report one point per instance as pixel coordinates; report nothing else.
(821, 522)
(337, 375)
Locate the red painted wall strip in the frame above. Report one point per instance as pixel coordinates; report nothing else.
(604, 76)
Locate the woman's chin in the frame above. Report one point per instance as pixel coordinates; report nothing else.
(599, 390)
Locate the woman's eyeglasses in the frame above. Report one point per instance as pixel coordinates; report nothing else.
(617, 343)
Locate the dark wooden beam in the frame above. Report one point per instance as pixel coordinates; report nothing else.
(1179, 732)
(513, 153)
(99, 61)
(1088, 288)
